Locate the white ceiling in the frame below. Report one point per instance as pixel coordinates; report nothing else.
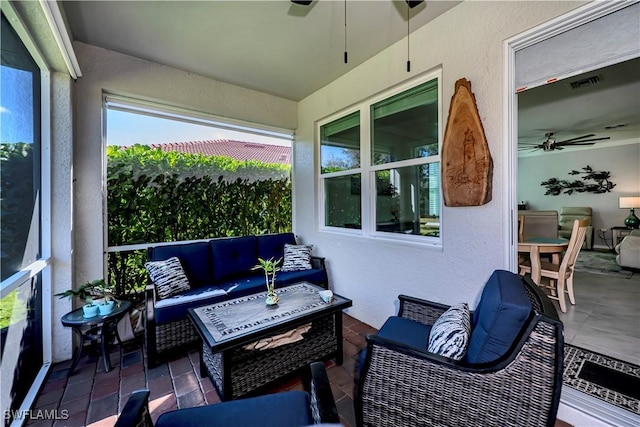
(569, 113)
(275, 47)
(291, 51)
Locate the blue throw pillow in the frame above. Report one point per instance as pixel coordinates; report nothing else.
(449, 335)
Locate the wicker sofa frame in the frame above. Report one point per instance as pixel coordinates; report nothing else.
(403, 386)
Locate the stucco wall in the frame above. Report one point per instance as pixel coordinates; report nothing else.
(623, 161)
(61, 208)
(467, 41)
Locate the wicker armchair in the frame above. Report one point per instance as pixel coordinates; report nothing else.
(401, 385)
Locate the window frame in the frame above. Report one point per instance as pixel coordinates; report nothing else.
(43, 265)
(368, 169)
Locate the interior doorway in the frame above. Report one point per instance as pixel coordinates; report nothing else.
(575, 407)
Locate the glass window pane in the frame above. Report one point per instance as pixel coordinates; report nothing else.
(405, 126)
(340, 144)
(342, 201)
(408, 200)
(19, 155)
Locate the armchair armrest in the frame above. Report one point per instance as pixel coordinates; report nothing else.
(323, 405)
(136, 411)
(423, 311)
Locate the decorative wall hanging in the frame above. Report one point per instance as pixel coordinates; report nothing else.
(601, 183)
(467, 167)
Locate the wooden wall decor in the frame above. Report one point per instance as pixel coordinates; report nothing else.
(467, 167)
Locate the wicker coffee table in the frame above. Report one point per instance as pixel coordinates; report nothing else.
(227, 327)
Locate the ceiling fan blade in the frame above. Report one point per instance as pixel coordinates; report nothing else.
(302, 2)
(413, 4)
(584, 140)
(577, 137)
(573, 144)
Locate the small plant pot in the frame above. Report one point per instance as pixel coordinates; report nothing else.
(272, 299)
(106, 308)
(89, 310)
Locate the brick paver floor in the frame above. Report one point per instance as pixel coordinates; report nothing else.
(93, 397)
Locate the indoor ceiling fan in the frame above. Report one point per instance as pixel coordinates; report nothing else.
(550, 143)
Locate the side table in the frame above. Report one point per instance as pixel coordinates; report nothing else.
(619, 233)
(96, 328)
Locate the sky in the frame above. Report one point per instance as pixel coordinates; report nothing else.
(125, 128)
(16, 110)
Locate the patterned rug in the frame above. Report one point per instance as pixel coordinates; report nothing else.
(603, 377)
(598, 262)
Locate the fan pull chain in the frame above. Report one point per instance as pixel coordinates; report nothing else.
(345, 32)
(408, 18)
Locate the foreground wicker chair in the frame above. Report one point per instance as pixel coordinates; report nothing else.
(403, 385)
(286, 409)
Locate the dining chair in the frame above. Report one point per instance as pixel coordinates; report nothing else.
(520, 228)
(561, 275)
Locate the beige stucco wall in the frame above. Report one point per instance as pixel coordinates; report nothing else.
(467, 41)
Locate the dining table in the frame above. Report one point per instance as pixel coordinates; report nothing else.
(535, 246)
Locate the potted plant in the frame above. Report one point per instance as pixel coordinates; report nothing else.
(270, 268)
(97, 295)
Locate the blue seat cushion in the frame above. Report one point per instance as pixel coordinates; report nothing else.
(175, 307)
(316, 276)
(406, 331)
(272, 245)
(287, 409)
(194, 257)
(499, 318)
(234, 257)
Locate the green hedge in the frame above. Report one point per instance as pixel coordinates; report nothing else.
(155, 196)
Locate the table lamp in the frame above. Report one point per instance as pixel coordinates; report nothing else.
(632, 220)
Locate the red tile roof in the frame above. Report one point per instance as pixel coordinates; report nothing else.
(238, 150)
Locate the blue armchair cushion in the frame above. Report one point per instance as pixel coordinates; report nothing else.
(406, 331)
(449, 334)
(168, 277)
(194, 257)
(499, 318)
(175, 307)
(287, 409)
(272, 245)
(233, 257)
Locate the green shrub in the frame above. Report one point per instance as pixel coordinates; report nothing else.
(155, 196)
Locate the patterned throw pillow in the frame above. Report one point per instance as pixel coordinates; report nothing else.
(168, 276)
(297, 257)
(449, 335)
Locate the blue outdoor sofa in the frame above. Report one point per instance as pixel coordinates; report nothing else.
(218, 270)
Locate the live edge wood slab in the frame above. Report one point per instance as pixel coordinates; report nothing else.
(467, 169)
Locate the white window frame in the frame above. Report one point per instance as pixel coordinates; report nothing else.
(157, 109)
(367, 170)
(42, 265)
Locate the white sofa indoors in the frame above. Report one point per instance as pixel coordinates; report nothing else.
(628, 250)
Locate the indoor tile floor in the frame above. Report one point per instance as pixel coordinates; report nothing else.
(605, 318)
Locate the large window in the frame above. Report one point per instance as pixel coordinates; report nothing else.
(21, 266)
(380, 165)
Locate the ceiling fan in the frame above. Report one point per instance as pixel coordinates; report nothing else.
(411, 4)
(550, 144)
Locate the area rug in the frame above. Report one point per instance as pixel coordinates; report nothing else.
(598, 262)
(603, 377)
